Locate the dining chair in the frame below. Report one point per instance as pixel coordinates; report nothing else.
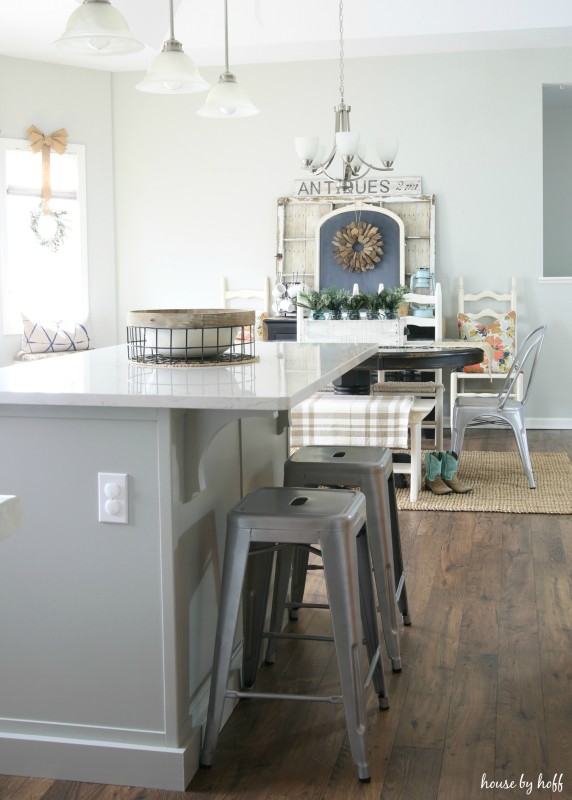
(502, 407)
(261, 296)
(434, 387)
(492, 325)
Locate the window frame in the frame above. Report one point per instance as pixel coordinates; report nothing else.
(7, 144)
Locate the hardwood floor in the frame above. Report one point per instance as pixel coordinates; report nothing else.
(486, 687)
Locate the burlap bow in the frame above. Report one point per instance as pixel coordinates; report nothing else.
(58, 141)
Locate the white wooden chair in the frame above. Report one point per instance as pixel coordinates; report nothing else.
(261, 295)
(423, 389)
(483, 383)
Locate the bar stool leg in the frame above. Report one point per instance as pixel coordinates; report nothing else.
(398, 571)
(255, 603)
(340, 569)
(281, 578)
(369, 617)
(235, 558)
(299, 570)
(379, 519)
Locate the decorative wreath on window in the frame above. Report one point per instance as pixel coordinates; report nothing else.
(58, 228)
(358, 246)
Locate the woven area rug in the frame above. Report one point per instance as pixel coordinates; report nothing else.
(500, 484)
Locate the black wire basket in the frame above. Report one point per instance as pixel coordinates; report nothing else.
(191, 337)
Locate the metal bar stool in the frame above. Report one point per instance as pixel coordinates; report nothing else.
(290, 516)
(371, 470)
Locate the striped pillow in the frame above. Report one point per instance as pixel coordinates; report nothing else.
(54, 336)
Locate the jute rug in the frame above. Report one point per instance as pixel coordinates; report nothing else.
(500, 484)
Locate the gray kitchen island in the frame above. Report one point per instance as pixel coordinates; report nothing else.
(107, 627)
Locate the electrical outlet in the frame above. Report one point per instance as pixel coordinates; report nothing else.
(113, 497)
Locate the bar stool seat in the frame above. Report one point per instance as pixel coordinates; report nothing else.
(284, 517)
(370, 469)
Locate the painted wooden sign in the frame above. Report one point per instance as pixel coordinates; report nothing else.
(311, 187)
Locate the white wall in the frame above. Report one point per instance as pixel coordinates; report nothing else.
(52, 97)
(196, 198)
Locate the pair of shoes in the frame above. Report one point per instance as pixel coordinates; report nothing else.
(440, 473)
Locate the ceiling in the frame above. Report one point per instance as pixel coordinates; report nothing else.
(265, 31)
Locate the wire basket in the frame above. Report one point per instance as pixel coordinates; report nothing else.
(191, 337)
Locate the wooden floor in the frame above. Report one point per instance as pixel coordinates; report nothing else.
(486, 688)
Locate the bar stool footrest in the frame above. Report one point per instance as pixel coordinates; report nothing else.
(336, 699)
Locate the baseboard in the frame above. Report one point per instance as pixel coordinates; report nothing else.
(166, 768)
(537, 423)
(548, 423)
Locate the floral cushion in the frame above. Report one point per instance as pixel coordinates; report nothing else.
(500, 334)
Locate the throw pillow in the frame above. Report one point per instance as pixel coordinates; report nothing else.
(53, 336)
(500, 334)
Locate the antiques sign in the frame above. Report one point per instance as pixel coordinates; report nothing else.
(390, 186)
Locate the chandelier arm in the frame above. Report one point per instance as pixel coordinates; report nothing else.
(378, 169)
(363, 174)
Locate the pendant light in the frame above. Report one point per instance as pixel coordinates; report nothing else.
(227, 99)
(353, 164)
(97, 27)
(172, 71)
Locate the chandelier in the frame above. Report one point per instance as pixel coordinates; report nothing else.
(354, 165)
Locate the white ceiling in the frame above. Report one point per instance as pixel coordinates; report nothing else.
(263, 31)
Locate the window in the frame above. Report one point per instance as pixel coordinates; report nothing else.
(39, 280)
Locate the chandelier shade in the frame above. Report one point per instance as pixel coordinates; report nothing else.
(227, 100)
(97, 27)
(346, 162)
(172, 71)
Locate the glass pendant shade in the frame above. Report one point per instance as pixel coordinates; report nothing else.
(387, 149)
(347, 143)
(227, 100)
(307, 147)
(172, 72)
(97, 27)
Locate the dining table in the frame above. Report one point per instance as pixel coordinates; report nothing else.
(413, 356)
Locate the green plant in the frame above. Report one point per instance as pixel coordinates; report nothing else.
(373, 302)
(314, 301)
(356, 302)
(335, 299)
(392, 298)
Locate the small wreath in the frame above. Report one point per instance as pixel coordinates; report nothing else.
(358, 246)
(53, 242)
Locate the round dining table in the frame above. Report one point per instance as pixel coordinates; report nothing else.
(407, 357)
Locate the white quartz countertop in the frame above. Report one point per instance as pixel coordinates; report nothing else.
(285, 374)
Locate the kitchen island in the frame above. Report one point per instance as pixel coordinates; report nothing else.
(107, 628)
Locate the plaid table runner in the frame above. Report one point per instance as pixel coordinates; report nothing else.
(331, 419)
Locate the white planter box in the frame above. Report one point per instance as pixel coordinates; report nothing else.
(388, 332)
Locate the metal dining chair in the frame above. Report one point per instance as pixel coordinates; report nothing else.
(501, 407)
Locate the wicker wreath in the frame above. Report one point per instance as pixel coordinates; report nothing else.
(358, 246)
